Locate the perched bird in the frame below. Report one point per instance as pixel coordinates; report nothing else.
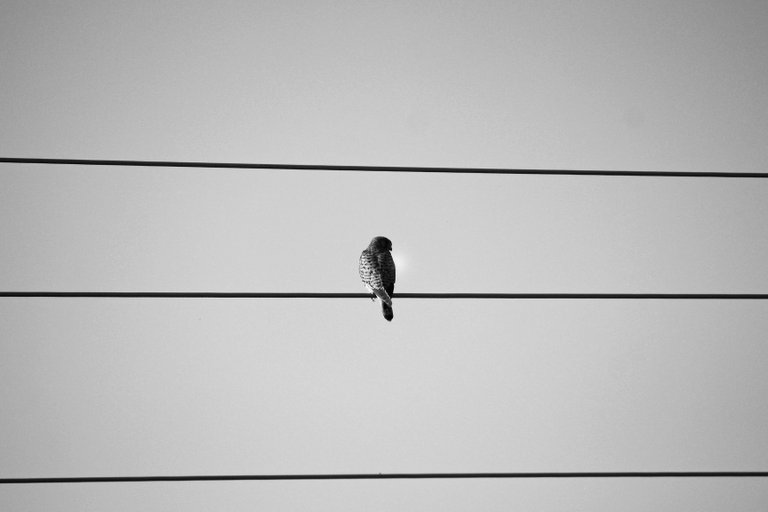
(377, 270)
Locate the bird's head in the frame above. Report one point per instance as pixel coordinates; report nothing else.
(381, 243)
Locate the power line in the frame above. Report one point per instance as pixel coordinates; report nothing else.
(343, 295)
(381, 168)
(389, 476)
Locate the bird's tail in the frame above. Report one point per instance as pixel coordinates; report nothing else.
(386, 309)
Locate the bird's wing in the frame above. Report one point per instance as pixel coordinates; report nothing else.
(387, 268)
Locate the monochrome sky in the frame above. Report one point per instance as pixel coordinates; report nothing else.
(102, 387)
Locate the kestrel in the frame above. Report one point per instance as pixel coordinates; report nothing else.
(377, 270)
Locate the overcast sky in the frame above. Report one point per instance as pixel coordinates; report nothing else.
(95, 387)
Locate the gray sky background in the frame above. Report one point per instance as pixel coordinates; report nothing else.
(141, 387)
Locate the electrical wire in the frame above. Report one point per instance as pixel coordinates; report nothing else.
(381, 168)
(390, 476)
(344, 295)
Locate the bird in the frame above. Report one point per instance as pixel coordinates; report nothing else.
(377, 270)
